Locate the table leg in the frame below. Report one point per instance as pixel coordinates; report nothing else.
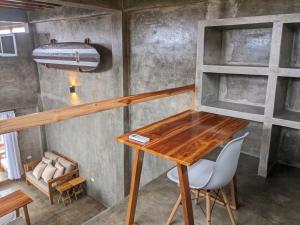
(26, 215)
(185, 194)
(17, 213)
(234, 196)
(134, 187)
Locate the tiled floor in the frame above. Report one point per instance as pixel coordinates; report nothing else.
(272, 201)
(42, 213)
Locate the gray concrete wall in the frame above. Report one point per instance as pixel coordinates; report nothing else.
(12, 15)
(90, 140)
(30, 140)
(19, 85)
(162, 55)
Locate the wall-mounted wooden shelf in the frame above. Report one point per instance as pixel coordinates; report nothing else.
(250, 68)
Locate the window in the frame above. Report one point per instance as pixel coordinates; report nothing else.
(8, 45)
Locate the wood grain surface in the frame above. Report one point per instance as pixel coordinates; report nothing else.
(52, 116)
(186, 137)
(13, 201)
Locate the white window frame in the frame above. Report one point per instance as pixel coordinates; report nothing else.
(15, 46)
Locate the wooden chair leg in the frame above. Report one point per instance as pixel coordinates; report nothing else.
(174, 210)
(208, 210)
(197, 197)
(234, 196)
(228, 207)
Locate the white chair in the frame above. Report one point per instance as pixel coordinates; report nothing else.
(207, 176)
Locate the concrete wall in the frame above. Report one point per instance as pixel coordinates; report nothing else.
(30, 140)
(162, 47)
(12, 15)
(89, 140)
(162, 55)
(19, 85)
(18, 81)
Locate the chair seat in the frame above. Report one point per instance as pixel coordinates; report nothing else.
(199, 173)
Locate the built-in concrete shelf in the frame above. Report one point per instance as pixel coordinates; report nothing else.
(231, 112)
(286, 72)
(235, 92)
(239, 45)
(287, 100)
(253, 70)
(250, 68)
(290, 46)
(285, 145)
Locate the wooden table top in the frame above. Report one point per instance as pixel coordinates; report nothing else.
(76, 181)
(186, 137)
(13, 201)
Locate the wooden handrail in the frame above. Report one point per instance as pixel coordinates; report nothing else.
(55, 115)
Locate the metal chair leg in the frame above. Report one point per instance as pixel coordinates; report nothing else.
(208, 208)
(228, 207)
(174, 210)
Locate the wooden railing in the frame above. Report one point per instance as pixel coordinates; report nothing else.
(52, 116)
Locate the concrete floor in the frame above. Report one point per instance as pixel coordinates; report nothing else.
(3, 176)
(272, 201)
(42, 213)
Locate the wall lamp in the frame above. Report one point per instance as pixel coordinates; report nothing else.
(72, 89)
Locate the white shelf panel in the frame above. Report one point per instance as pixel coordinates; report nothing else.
(287, 119)
(289, 72)
(247, 70)
(233, 113)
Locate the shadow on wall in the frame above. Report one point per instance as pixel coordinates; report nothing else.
(105, 58)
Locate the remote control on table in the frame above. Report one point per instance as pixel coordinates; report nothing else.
(139, 138)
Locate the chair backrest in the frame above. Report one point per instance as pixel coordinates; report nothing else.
(226, 164)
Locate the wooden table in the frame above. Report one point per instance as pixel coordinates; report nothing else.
(13, 202)
(64, 192)
(77, 184)
(184, 138)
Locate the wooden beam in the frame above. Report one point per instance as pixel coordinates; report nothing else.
(55, 115)
(21, 5)
(18, 6)
(40, 3)
(25, 4)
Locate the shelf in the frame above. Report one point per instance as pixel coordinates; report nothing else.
(289, 72)
(233, 113)
(253, 70)
(287, 101)
(242, 45)
(286, 121)
(235, 92)
(285, 145)
(238, 107)
(290, 46)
